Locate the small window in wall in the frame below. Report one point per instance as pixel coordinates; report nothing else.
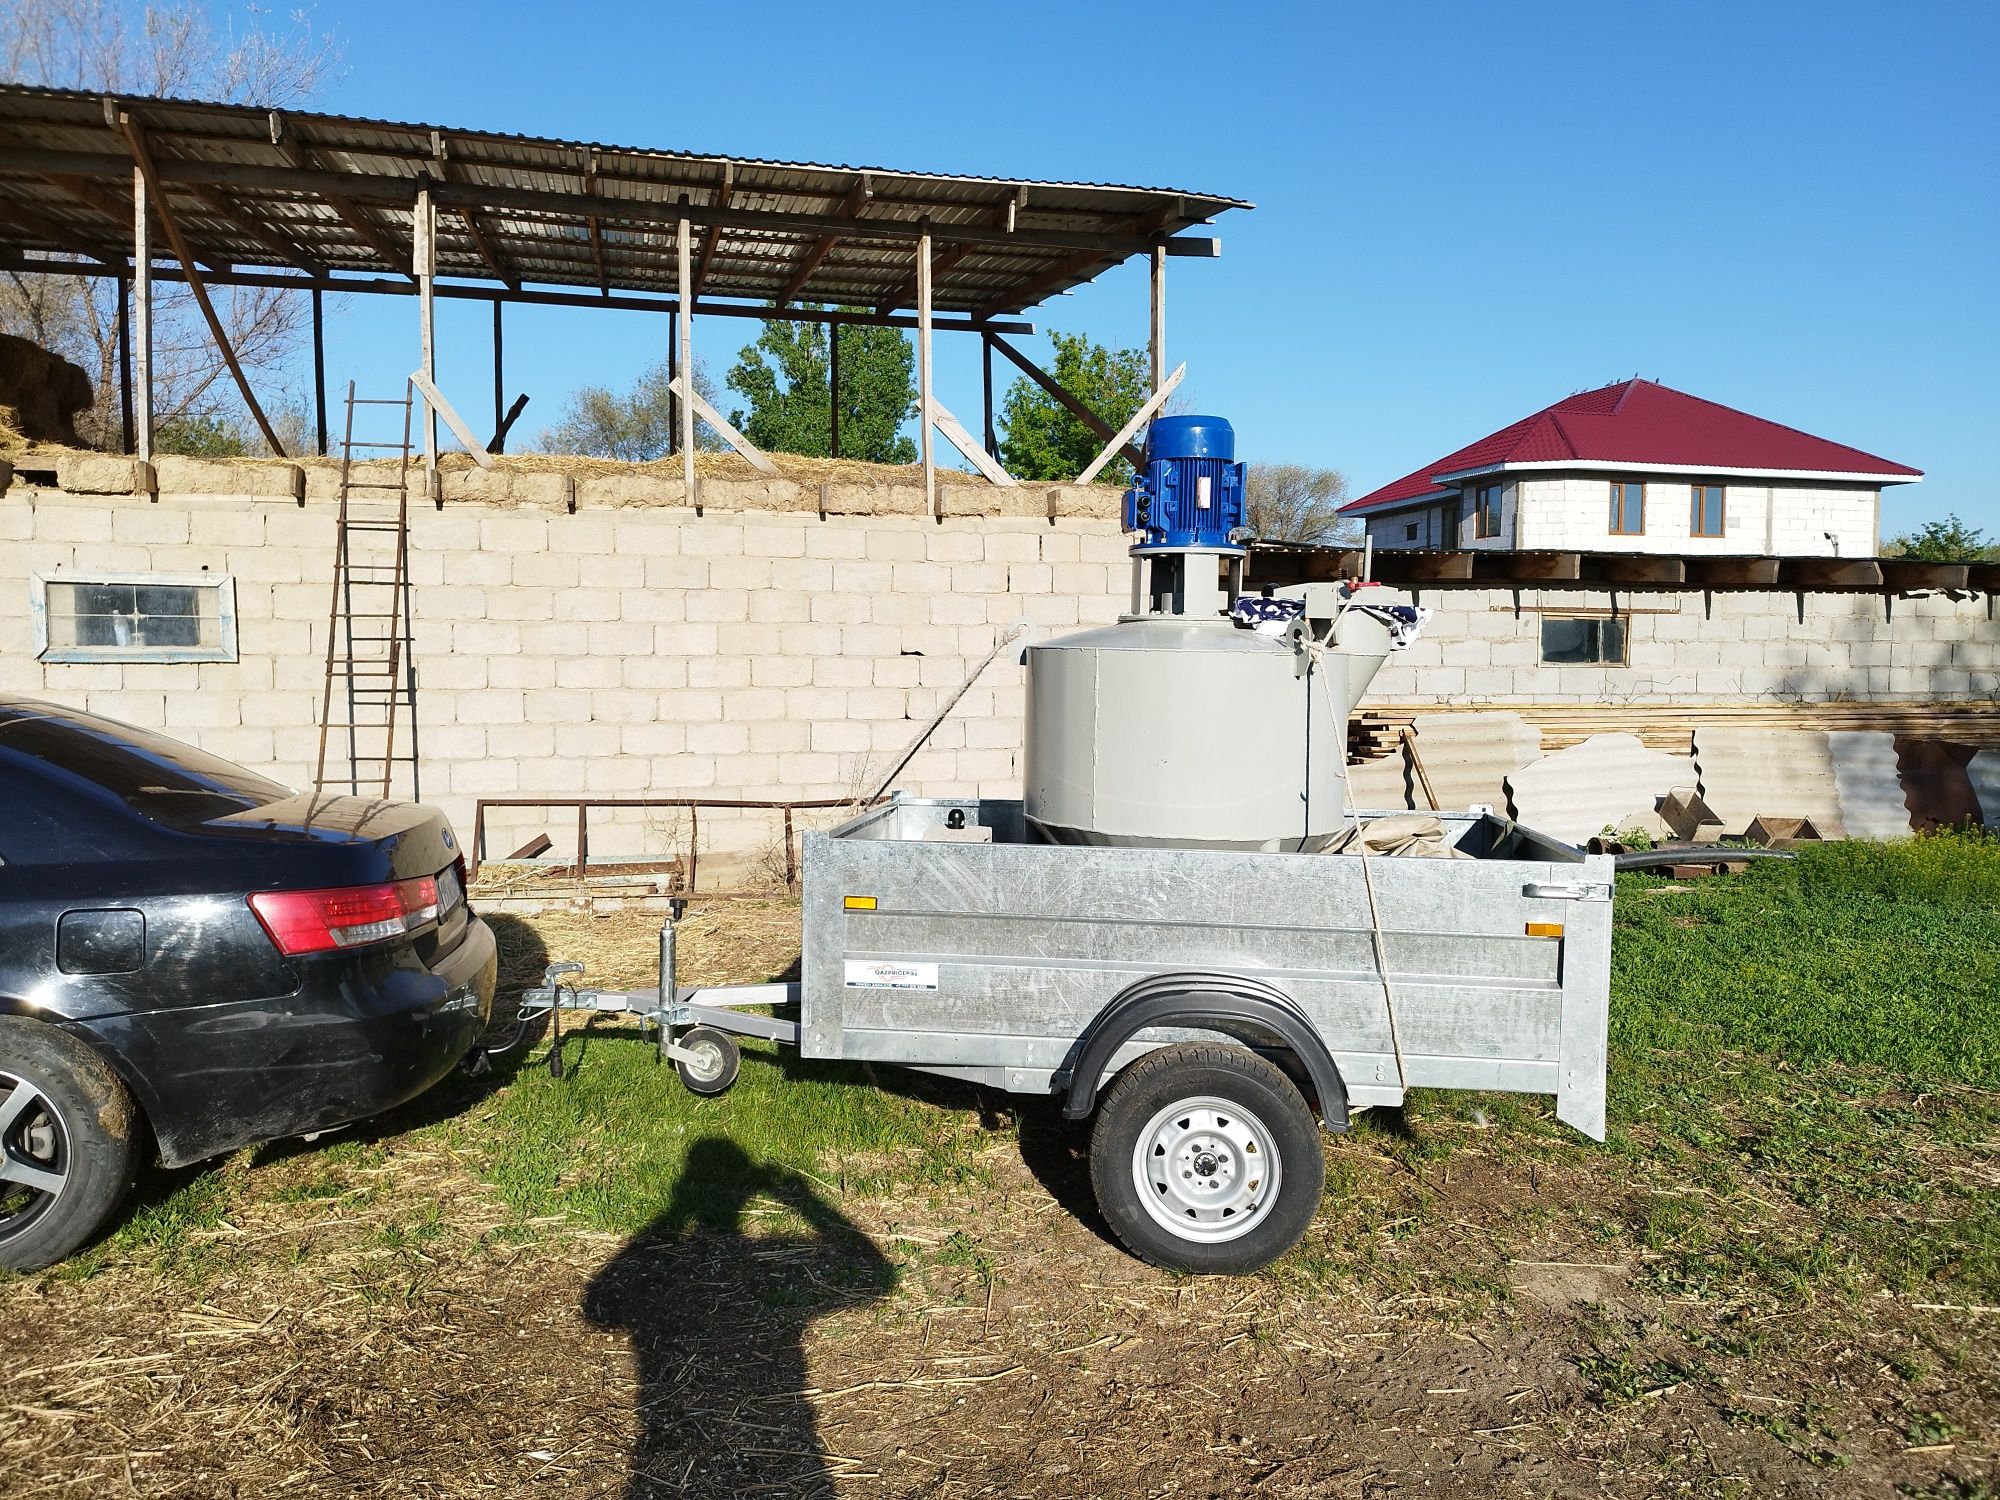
(1410, 532)
(1705, 518)
(1628, 508)
(1574, 642)
(163, 617)
(1486, 514)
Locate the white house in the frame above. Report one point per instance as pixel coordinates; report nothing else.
(1639, 467)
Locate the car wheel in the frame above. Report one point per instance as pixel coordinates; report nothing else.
(1205, 1158)
(68, 1144)
(712, 1061)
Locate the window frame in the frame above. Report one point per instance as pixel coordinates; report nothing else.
(1620, 489)
(1623, 622)
(1697, 491)
(223, 585)
(1480, 533)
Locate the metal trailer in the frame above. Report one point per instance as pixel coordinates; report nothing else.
(1202, 1003)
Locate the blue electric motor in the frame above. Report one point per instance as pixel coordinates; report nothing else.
(1191, 493)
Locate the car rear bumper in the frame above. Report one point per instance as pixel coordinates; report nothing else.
(363, 1033)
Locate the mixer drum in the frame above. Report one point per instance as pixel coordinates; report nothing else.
(1192, 733)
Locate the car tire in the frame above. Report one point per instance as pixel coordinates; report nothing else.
(1206, 1158)
(68, 1143)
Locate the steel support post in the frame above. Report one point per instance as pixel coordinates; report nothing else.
(425, 240)
(142, 316)
(319, 371)
(125, 363)
(1157, 342)
(686, 343)
(924, 414)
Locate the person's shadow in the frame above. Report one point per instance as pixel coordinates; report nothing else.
(717, 1319)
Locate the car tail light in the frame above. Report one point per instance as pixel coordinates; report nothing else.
(351, 917)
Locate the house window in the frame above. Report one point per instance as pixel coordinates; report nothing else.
(163, 617)
(1410, 532)
(1705, 518)
(1486, 513)
(1583, 642)
(1628, 508)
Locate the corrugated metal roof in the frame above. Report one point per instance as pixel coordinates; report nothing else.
(319, 193)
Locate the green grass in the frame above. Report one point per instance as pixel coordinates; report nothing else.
(619, 1145)
(1804, 1100)
(1881, 955)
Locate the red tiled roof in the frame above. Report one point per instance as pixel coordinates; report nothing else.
(1640, 422)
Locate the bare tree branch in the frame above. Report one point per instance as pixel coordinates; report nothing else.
(169, 49)
(1294, 503)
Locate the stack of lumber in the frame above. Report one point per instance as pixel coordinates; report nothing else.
(1671, 726)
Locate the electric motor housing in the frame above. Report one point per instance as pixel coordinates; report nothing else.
(1191, 492)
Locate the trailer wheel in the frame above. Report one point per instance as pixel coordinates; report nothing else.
(716, 1057)
(1205, 1158)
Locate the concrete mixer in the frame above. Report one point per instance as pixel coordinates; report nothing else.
(1177, 931)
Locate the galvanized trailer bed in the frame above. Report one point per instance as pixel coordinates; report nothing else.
(936, 937)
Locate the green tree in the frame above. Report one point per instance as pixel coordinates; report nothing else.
(787, 377)
(1949, 540)
(201, 437)
(1040, 439)
(636, 426)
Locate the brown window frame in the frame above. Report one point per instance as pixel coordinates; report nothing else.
(1618, 487)
(1480, 533)
(1696, 493)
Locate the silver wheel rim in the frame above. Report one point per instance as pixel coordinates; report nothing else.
(706, 1062)
(1206, 1169)
(34, 1154)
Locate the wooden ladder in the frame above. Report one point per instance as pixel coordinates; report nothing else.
(371, 677)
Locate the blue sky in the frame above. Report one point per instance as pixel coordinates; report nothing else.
(1464, 211)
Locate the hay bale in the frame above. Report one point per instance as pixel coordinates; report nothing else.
(42, 392)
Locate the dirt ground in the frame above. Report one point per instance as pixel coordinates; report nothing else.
(952, 1342)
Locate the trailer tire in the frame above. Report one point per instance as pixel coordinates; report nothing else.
(720, 1060)
(1205, 1158)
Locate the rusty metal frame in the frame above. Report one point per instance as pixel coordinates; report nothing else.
(584, 806)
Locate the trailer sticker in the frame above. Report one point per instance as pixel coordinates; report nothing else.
(888, 974)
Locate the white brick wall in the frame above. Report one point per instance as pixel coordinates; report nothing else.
(612, 650)
(1557, 513)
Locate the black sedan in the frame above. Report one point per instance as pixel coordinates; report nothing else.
(194, 956)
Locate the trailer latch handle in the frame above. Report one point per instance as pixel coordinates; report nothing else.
(1567, 891)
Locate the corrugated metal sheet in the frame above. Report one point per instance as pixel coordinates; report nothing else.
(1937, 787)
(1468, 757)
(1787, 773)
(1380, 785)
(1866, 784)
(1608, 781)
(338, 190)
(1984, 774)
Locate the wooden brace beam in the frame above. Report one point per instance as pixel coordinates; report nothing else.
(143, 159)
(682, 388)
(434, 399)
(955, 434)
(1123, 438)
(1068, 402)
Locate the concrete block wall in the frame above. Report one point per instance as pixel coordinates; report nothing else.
(1739, 647)
(595, 636)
